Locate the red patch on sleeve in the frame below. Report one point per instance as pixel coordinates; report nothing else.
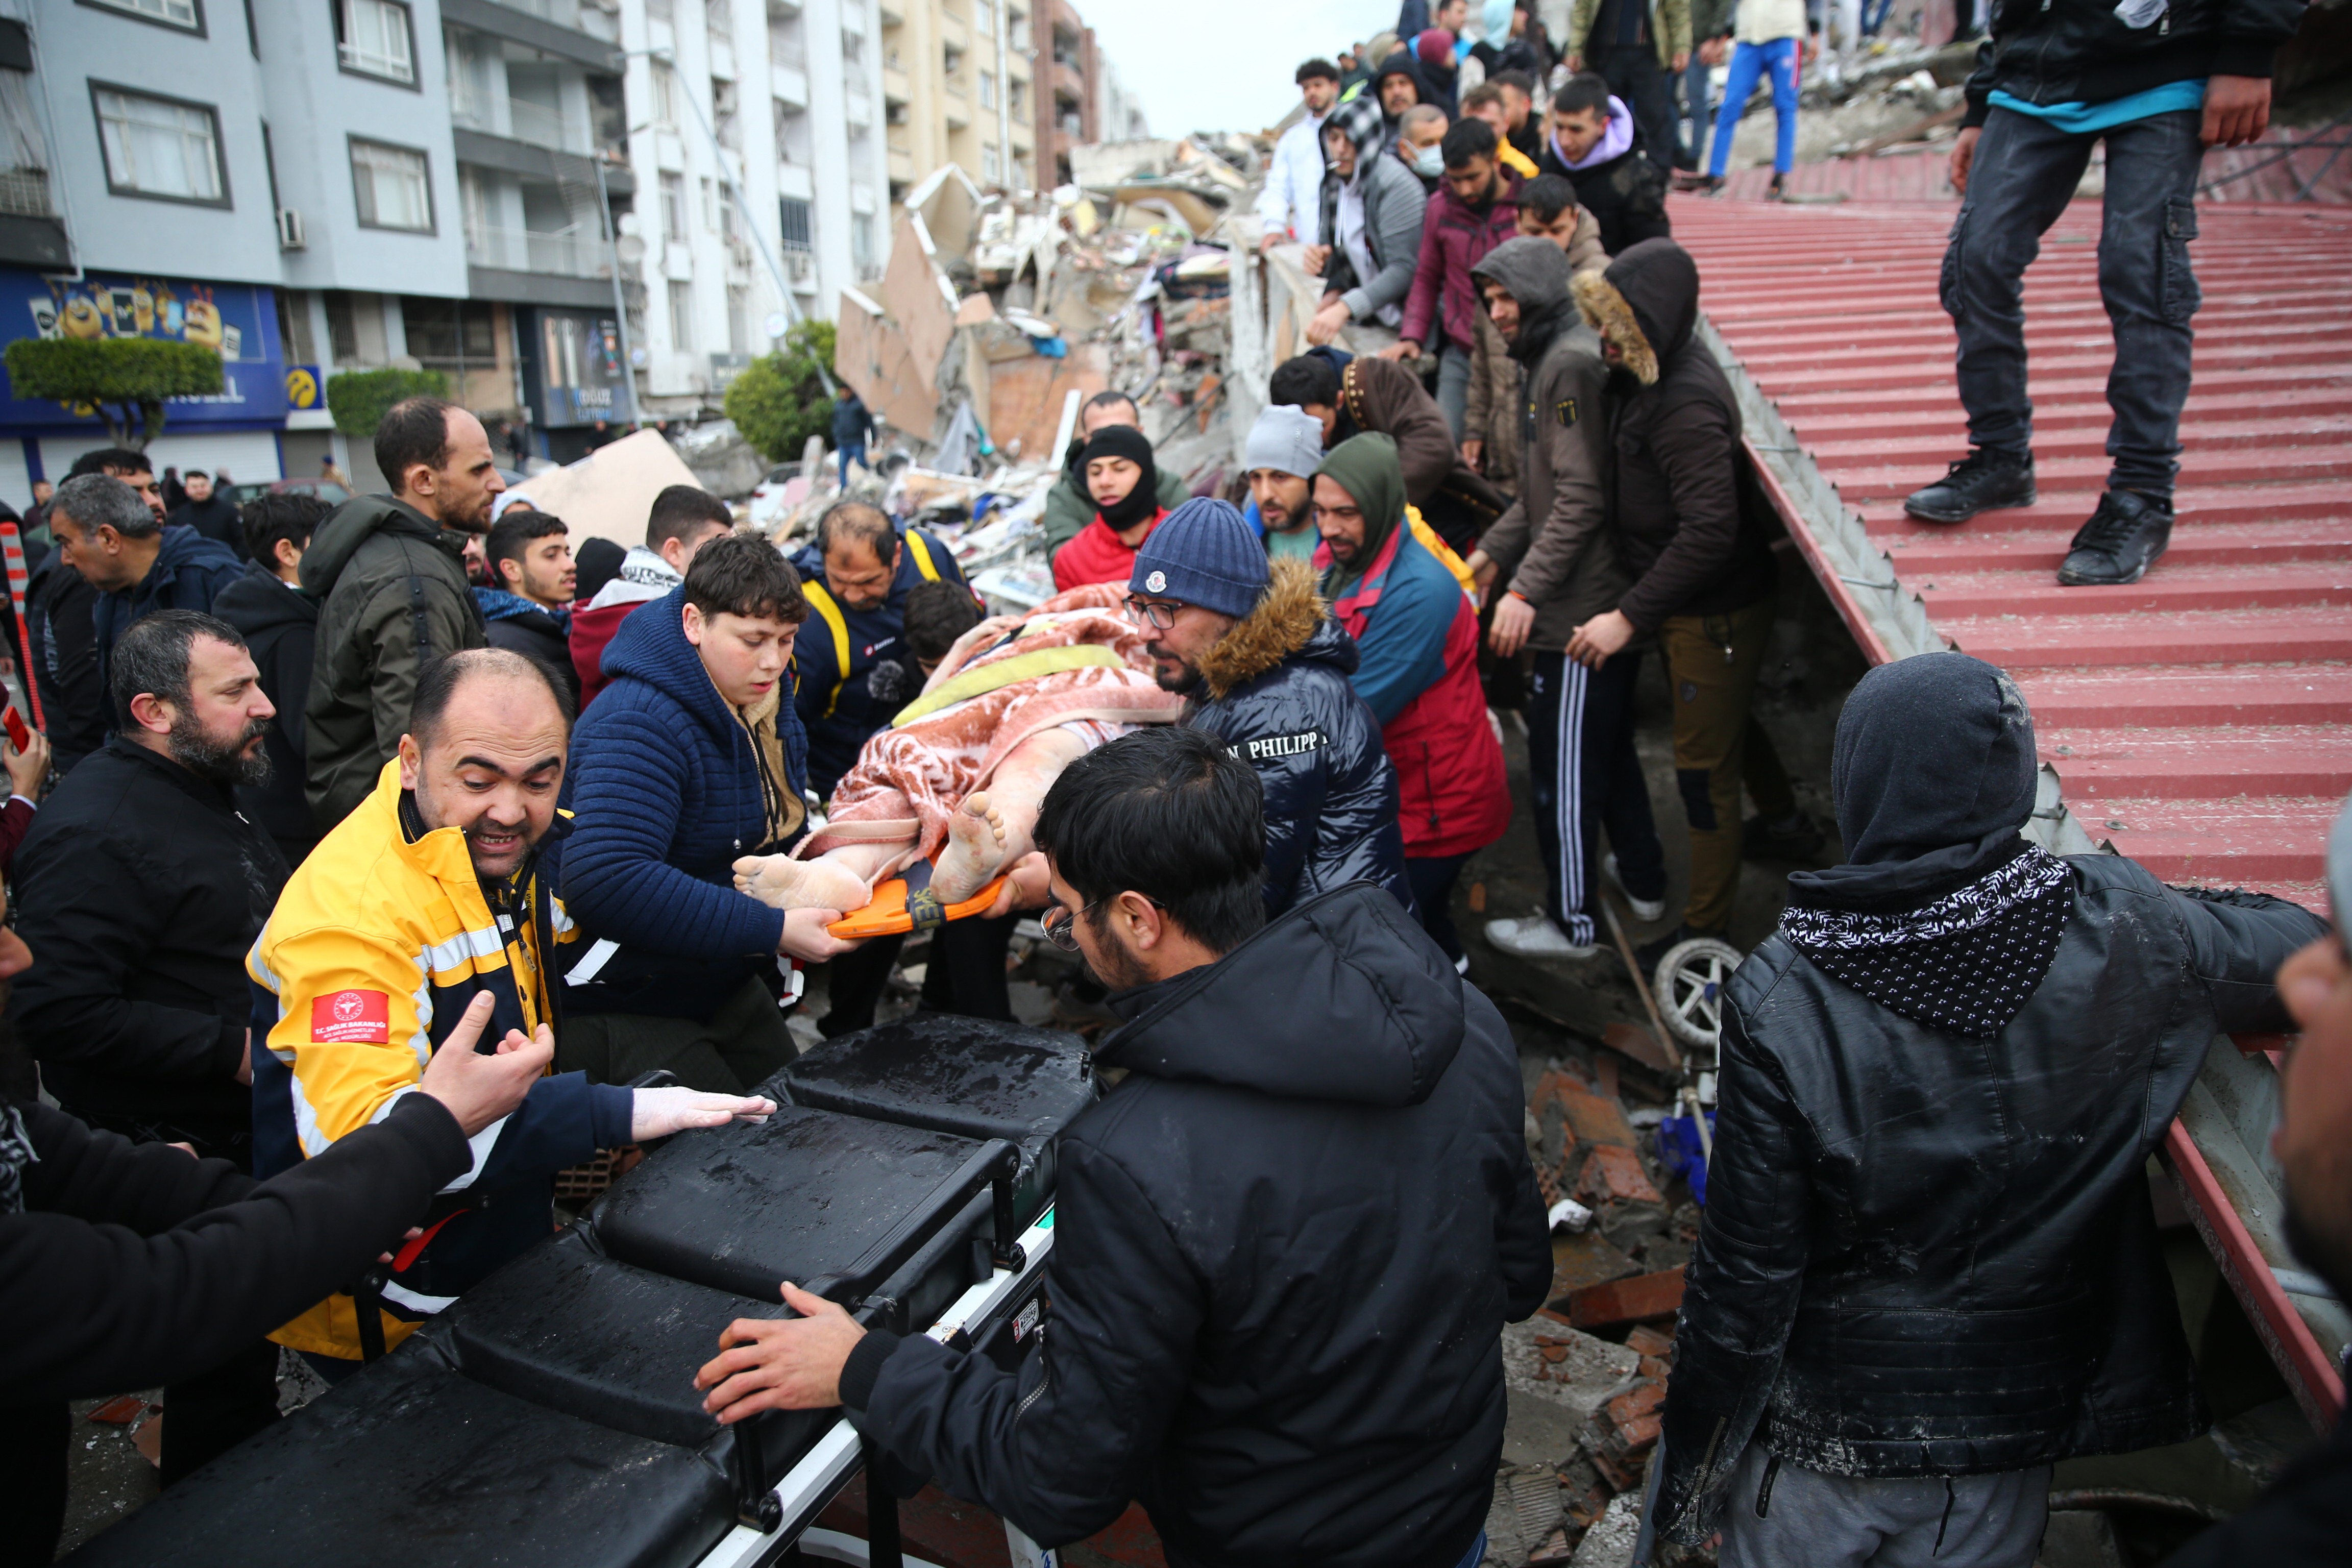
(352, 1018)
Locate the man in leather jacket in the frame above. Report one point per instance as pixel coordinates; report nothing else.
(1267, 671)
(1930, 1268)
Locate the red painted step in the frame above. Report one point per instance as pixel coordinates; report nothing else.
(2062, 498)
(2227, 467)
(1920, 555)
(2163, 591)
(2201, 764)
(2074, 642)
(2238, 695)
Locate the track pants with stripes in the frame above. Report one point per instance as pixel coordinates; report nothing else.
(1584, 775)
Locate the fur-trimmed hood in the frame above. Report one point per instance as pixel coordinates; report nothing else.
(1292, 619)
(1646, 303)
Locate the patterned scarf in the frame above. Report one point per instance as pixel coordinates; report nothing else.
(1966, 962)
(15, 1153)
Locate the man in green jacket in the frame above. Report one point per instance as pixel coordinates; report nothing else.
(1637, 46)
(1070, 507)
(389, 569)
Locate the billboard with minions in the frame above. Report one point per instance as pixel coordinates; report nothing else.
(237, 320)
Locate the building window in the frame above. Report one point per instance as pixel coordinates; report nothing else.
(160, 147)
(185, 15)
(718, 15)
(673, 207)
(372, 38)
(739, 320)
(861, 242)
(983, 17)
(709, 205)
(681, 317)
(723, 118)
(988, 164)
(664, 94)
(394, 187)
(988, 89)
(798, 233)
(728, 228)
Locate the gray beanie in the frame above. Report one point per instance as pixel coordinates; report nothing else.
(1286, 439)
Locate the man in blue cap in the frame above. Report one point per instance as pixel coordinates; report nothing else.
(1265, 670)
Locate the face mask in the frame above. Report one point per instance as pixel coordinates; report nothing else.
(1429, 162)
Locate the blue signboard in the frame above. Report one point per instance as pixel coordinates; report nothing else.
(237, 321)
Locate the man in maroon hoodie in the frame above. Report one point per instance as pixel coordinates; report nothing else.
(1475, 209)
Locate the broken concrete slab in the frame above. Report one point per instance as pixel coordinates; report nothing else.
(609, 492)
(1579, 1262)
(1609, 1542)
(1548, 1359)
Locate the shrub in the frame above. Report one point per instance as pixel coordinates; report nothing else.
(358, 398)
(123, 380)
(780, 401)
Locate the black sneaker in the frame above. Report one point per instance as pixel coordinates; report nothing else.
(2123, 539)
(1797, 840)
(1984, 481)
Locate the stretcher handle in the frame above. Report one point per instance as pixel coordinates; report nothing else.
(993, 1164)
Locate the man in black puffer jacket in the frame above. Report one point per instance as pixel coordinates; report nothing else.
(1267, 671)
(1929, 1266)
(1285, 1239)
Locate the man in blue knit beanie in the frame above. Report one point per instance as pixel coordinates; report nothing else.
(1265, 668)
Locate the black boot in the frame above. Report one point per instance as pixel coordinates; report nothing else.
(2121, 540)
(1795, 839)
(1982, 481)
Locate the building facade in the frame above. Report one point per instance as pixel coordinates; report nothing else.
(957, 84)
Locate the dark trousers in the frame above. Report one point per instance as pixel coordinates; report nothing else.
(1697, 111)
(2024, 174)
(1431, 878)
(33, 1439)
(1584, 775)
(965, 974)
(1633, 74)
(206, 1415)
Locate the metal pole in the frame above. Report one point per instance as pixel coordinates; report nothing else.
(620, 300)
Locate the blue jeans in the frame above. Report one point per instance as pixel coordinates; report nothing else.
(2024, 174)
(1785, 59)
(851, 452)
(1696, 103)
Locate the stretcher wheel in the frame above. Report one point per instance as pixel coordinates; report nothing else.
(1689, 988)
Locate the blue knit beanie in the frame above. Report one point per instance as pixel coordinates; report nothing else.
(1203, 553)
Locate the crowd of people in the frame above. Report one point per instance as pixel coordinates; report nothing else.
(367, 854)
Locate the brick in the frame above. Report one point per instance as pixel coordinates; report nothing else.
(1648, 1340)
(1591, 1259)
(1619, 1475)
(1624, 1300)
(1652, 1366)
(1614, 1174)
(1635, 1403)
(1635, 1437)
(1597, 1119)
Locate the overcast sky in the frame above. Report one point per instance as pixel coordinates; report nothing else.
(1223, 65)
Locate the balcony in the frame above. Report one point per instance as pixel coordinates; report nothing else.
(783, 10)
(542, 125)
(858, 109)
(1016, 66)
(955, 109)
(554, 27)
(570, 254)
(902, 164)
(789, 87)
(1069, 86)
(30, 233)
(896, 89)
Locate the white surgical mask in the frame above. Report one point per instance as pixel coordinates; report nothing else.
(1429, 161)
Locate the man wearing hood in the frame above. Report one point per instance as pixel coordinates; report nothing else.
(1265, 670)
(280, 623)
(1416, 633)
(1069, 506)
(1636, 47)
(1692, 540)
(684, 519)
(1285, 1239)
(1596, 145)
(390, 572)
(1351, 394)
(1368, 236)
(1397, 86)
(1558, 566)
(1123, 477)
(1930, 1268)
(1477, 210)
(138, 566)
(693, 758)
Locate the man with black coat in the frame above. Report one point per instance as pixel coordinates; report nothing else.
(210, 513)
(280, 623)
(1930, 1268)
(528, 554)
(1596, 145)
(1285, 1240)
(1265, 668)
(61, 614)
(127, 1266)
(1693, 539)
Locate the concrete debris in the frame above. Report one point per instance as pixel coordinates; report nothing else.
(1609, 1542)
(1524, 1516)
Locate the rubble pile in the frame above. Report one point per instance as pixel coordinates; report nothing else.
(1587, 1374)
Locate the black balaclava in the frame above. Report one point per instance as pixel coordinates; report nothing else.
(1125, 441)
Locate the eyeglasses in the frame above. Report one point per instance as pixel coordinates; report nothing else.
(1061, 926)
(1160, 617)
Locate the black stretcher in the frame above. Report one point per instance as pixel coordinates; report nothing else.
(550, 1416)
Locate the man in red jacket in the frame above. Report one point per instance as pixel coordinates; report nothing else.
(1476, 209)
(684, 519)
(1418, 636)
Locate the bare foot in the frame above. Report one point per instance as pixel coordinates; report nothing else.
(783, 883)
(974, 849)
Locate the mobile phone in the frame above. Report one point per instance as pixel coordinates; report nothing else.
(20, 735)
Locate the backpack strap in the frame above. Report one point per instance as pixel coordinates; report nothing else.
(830, 613)
(923, 563)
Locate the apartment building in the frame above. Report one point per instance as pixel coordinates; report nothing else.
(957, 80)
(577, 210)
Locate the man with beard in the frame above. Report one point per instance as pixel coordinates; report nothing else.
(436, 892)
(1265, 670)
(141, 887)
(138, 566)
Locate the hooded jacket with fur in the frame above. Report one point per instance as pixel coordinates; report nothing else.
(1286, 1239)
(1677, 501)
(394, 594)
(1275, 690)
(1554, 548)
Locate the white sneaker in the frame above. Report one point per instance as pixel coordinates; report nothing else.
(1646, 910)
(1535, 936)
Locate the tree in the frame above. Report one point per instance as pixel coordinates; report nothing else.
(357, 399)
(779, 399)
(123, 380)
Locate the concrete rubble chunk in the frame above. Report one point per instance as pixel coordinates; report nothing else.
(1622, 1301)
(1609, 1542)
(1545, 1358)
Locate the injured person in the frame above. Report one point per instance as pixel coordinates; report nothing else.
(956, 778)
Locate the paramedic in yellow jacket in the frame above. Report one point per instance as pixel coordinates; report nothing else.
(439, 890)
